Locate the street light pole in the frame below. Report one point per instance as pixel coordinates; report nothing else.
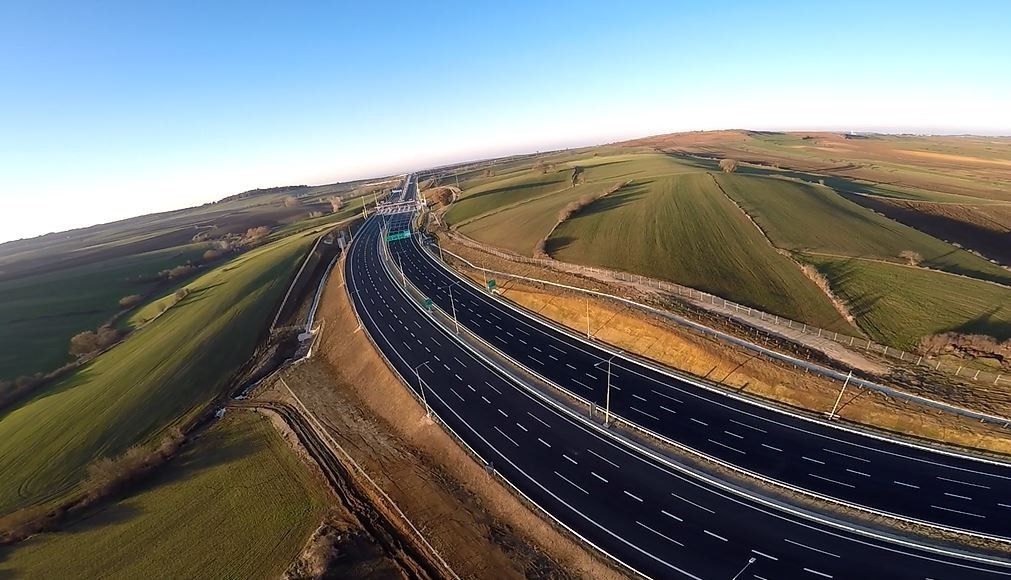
(839, 398)
(421, 387)
(587, 318)
(607, 401)
(452, 305)
(750, 562)
(402, 274)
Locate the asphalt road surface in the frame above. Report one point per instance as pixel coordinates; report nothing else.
(642, 512)
(918, 483)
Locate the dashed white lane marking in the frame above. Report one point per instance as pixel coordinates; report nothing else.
(789, 541)
(591, 376)
(570, 366)
(855, 472)
(666, 396)
(654, 417)
(594, 474)
(818, 461)
(599, 456)
(771, 447)
(672, 411)
(717, 536)
(456, 393)
(688, 501)
(643, 399)
(846, 455)
(582, 384)
(572, 483)
(556, 348)
(574, 462)
(732, 434)
(726, 446)
(503, 413)
(832, 481)
(511, 440)
(546, 444)
(963, 482)
(764, 555)
(664, 536)
(485, 399)
(535, 360)
(904, 484)
(817, 573)
(670, 515)
(632, 495)
(471, 387)
(538, 419)
(493, 387)
(525, 430)
(703, 423)
(955, 495)
(742, 424)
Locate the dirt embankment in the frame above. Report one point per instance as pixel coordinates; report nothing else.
(738, 369)
(472, 520)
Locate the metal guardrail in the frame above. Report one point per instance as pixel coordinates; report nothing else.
(741, 311)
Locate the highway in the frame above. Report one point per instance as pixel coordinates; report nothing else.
(636, 508)
(947, 490)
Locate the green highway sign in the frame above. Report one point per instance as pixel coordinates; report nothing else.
(428, 304)
(398, 236)
(492, 285)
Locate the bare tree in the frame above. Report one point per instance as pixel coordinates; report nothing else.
(913, 258)
(336, 203)
(291, 201)
(728, 165)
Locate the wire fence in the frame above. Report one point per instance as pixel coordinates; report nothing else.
(754, 317)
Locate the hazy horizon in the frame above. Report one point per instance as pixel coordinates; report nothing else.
(125, 109)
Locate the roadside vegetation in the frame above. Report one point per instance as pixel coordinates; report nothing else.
(236, 504)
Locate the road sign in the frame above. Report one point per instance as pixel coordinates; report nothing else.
(492, 285)
(428, 304)
(398, 236)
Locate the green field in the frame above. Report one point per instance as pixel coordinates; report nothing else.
(41, 313)
(163, 373)
(813, 218)
(683, 228)
(896, 305)
(237, 504)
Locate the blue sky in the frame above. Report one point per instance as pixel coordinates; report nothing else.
(112, 109)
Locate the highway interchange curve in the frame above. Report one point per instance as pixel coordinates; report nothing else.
(638, 509)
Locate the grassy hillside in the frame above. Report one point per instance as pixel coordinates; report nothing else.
(683, 228)
(238, 504)
(896, 305)
(503, 192)
(804, 217)
(40, 313)
(162, 373)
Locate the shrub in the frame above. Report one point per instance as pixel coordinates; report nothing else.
(728, 165)
(130, 301)
(291, 201)
(336, 203)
